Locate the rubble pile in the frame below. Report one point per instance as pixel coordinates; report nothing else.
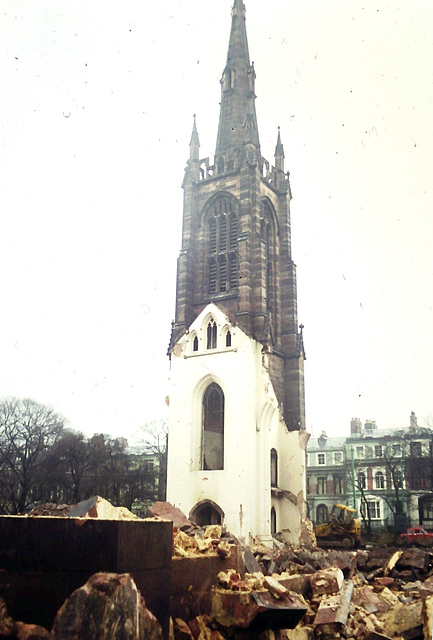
(52, 510)
(371, 594)
(211, 540)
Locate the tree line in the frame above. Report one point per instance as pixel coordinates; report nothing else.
(41, 460)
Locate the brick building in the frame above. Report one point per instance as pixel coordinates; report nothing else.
(236, 352)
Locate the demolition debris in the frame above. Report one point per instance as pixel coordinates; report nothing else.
(221, 590)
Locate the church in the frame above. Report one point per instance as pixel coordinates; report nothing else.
(236, 452)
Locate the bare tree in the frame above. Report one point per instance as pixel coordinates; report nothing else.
(27, 430)
(156, 442)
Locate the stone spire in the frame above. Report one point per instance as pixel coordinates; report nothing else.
(238, 121)
(194, 145)
(279, 153)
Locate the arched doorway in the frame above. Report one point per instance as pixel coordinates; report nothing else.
(206, 512)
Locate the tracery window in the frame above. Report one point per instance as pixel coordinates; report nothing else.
(228, 339)
(195, 344)
(213, 428)
(222, 259)
(211, 334)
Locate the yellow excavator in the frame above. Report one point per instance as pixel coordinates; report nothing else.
(343, 529)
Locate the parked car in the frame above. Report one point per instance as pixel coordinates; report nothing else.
(417, 535)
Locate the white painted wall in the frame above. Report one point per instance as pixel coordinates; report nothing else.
(252, 427)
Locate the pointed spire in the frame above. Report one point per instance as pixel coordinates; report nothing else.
(194, 145)
(238, 118)
(279, 153)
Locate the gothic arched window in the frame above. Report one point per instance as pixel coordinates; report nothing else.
(211, 334)
(274, 468)
(222, 246)
(273, 521)
(228, 339)
(213, 428)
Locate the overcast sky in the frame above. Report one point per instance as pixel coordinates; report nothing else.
(96, 106)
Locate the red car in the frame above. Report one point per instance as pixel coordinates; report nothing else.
(417, 535)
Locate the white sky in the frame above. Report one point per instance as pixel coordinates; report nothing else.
(96, 105)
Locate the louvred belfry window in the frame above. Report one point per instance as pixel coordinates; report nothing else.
(222, 258)
(268, 238)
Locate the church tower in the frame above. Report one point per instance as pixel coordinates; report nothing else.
(237, 412)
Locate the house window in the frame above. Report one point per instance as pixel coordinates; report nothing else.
(379, 480)
(274, 468)
(322, 514)
(398, 479)
(195, 344)
(228, 339)
(338, 485)
(378, 451)
(273, 521)
(321, 485)
(415, 449)
(213, 428)
(222, 244)
(338, 457)
(361, 480)
(371, 510)
(211, 334)
(321, 458)
(359, 451)
(396, 450)
(426, 508)
(308, 484)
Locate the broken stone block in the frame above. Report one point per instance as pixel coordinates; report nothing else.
(327, 581)
(223, 549)
(299, 583)
(299, 633)
(366, 598)
(275, 587)
(383, 581)
(402, 618)
(427, 614)
(181, 630)
(389, 566)
(32, 632)
(97, 507)
(388, 598)
(8, 626)
(426, 588)
(414, 558)
(108, 607)
(199, 626)
(333, 611)
(213, 531)
(166, 511)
